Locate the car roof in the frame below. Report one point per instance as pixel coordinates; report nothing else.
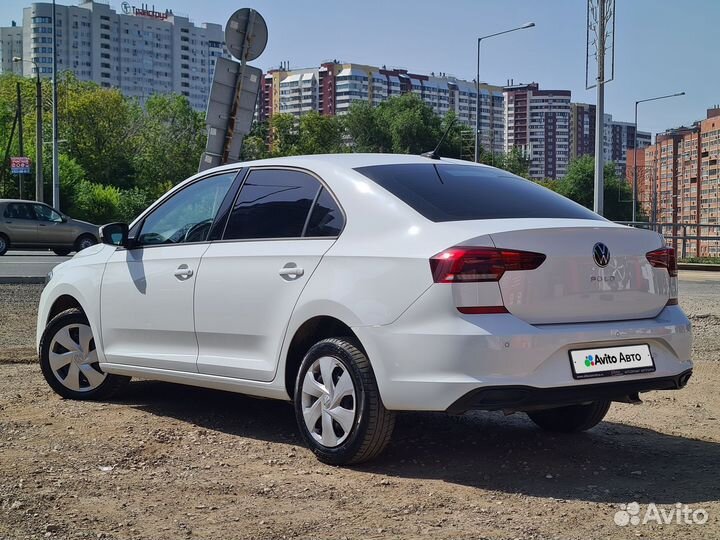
(348, 161)
(3, 201)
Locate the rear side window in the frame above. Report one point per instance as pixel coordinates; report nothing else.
(448, 192)
(326, 218)
(19, 211)
(273, 203)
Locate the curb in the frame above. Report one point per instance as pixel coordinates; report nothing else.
(705, 267)
(22, 280)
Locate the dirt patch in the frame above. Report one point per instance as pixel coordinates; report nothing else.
(165, 461)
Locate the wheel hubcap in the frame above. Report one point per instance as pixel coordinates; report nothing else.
(328, 401)
(2, 244)
(73, 358)
(84, 244)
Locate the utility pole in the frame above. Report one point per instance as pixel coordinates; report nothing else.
(20, 135)
(598, 200)
(56, 163)
(600, 29)
(39, 195)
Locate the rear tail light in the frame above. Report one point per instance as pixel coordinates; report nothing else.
(664, 258)
(463, 264)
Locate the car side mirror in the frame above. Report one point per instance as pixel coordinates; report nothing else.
(63, 219)
(115, 234)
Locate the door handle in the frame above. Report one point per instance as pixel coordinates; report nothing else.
(290, 271)
(183, 272)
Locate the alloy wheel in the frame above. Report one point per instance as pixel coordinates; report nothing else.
(73, 358)
(85, 243)
(328, 401)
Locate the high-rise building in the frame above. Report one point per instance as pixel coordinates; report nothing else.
(11, 38)
(538, 122)
(618, 137)
(679, 178)
(141, 51)
(582, 130)
(331, 88)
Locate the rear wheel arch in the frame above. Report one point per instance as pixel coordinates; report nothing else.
(308, 334)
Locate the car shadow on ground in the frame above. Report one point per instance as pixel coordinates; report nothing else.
(612, 463)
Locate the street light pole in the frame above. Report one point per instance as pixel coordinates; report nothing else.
(56, 164)
(477, 86)
(635, 148)
(39, 195)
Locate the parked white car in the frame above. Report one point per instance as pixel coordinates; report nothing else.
(359, 285)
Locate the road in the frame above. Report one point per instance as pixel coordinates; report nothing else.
(28, 263)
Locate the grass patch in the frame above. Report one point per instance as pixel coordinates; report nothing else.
(701, 260)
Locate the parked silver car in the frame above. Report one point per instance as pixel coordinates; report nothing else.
(33, 225)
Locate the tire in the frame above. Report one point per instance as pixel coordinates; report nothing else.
(4, 244)
(84, 241)
(62, 252)
(69, 370)
(369, 429)
(571, 419)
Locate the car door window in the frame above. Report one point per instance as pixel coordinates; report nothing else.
(19, 211)
(273, 203)
(326, 218)
(188, 215)
(45, 213)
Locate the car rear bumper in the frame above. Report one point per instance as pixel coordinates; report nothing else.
(491, 398)
(433, 358)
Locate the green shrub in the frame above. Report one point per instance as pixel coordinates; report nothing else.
(97, 203)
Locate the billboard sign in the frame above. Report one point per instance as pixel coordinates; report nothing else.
(20, 165)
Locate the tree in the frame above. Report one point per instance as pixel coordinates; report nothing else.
(170, 143)
(255, 144)
(515, 162)
(362, 127)
(284, 135)
(320, 134)
(97, 203)
(409, 123)
(579, 185)
(99, 127)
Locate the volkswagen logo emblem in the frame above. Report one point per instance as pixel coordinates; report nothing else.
(601, 254)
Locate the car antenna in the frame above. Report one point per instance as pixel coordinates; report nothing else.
(433, 154)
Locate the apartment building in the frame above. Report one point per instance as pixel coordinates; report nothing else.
(11, 38)
(332, 87)
(141, 51)
(618, 136)
(538, 122)
(678, 180)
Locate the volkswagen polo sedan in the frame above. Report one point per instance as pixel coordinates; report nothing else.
(359, 285)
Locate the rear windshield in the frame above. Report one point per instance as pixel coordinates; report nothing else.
(447, 192)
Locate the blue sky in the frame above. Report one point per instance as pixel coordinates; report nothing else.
(662, 46)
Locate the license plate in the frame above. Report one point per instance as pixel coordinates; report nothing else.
(609, 361)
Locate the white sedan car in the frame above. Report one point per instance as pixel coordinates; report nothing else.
(359, 285)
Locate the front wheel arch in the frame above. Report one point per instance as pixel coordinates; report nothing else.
(6, 247)
(63, 303)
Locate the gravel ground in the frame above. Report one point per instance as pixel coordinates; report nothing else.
(165, 461)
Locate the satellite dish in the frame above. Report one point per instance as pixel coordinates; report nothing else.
(246, 34)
